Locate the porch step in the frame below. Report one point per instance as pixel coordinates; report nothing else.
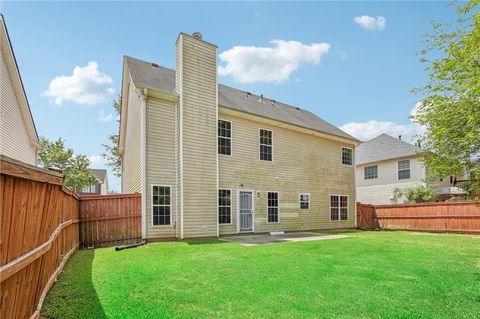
(273, 233)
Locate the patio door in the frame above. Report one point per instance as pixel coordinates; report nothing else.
(245, 211)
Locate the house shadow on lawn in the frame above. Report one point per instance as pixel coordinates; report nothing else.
(74, 295)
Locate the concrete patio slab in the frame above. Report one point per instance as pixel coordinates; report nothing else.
(253, 240)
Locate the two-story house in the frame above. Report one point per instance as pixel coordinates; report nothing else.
(212, 160)
(385, 163)
(18, 135)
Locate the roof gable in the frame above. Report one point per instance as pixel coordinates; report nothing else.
(7, 51)
(383, 147)
(153, 76)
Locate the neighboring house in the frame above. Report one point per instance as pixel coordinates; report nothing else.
(18, 135)
(385, 163)
(99, 188)
(212, 160)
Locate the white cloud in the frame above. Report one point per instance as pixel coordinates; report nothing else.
(104, 117)
(96, 159)
(365, 131)
(371, 23)
(86, 85)
(270, 64)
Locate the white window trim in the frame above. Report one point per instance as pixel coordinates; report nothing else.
(231, 206)
(258, 139)
(364, 175)
(409, 168)
(278, 207)
(330, 207)
(341, 156)
(231, 138)
(152, 205)
(309, 201)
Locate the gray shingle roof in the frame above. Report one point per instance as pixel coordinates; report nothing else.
(162, 79)
(383, 147)
(99, 173)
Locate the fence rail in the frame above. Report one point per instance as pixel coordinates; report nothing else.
(461, 217)
(110, 220)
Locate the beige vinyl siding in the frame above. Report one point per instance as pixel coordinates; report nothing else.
(302, 163)
(131, 165)
(197, 87)
(15, 140)
(161, 153)
(380, 190)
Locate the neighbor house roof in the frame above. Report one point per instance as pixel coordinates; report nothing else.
(99, 173)
(152, 76)
(11, 61)
(383, 147)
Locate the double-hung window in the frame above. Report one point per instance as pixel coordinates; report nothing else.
(404, 169)
(347, 156)
(304, 200)
(265, 145)
(370, 172)
(338, 207)
(224, 206)
(272, 207)
(224, 137)
(161, 207)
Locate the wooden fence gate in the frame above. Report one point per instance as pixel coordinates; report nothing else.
(366, 217)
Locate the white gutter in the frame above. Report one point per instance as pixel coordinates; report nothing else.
(143, 146)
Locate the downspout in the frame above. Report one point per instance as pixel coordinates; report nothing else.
(143, 146)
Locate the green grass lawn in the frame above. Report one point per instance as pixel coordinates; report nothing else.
(369, 275)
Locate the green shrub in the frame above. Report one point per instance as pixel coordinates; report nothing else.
(415, 194)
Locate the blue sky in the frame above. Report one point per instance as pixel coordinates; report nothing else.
(354, 73)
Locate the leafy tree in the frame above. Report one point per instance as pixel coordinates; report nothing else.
(415, 194)
(75, 168)
(111, 151)
(450, 109)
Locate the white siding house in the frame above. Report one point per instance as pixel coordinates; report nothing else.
(385, 163)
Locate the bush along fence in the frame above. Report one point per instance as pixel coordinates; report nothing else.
(459, 217)
(42, 223)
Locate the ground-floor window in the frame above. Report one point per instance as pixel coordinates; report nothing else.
(224, 206)
(272, 207)
(338, 207)
(304, 201)
(161, 206)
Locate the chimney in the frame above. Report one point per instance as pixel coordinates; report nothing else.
(400, 137)
(196, 86)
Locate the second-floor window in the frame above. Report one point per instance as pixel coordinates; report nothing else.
(404, 169)
(370, 172)
(347, 156)
(224, 137)
(265, 145)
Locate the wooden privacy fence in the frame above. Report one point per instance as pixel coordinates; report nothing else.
(110, 220)
(42, 224)
(461, 217)
(39, 232)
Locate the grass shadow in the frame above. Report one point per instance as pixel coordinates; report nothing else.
(204, 241)
(74, 294)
